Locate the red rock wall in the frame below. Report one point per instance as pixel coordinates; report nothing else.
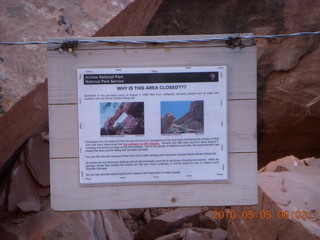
(288, 108)
(24, 150)
(132, 21)
(23, 91)
(18, 77)
(288, 72)
(22, 68)
(27, 117)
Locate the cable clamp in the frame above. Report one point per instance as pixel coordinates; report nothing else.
(234, 42)
(69, 46)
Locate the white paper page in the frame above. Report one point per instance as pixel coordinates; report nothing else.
(139, 125)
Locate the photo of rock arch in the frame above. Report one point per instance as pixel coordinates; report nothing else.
(122, 118)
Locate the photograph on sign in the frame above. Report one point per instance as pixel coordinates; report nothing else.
(164, 124)
(115, 116)
(177, 118)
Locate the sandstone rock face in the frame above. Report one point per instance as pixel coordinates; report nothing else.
(49, 225)
(136, 18)
(287, 77)
(288, 194)
(196, 234)
(23, 88)
(37, 156)
(30, 205)
(22, 186)
(194, 118)
(115, 227)
(288, 205)
(313, 162)
(167, 222)
(288, 86)
(24, 67)
(191, 121)
(276, 166)
(28, 116)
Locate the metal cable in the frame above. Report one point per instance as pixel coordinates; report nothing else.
(161, 41)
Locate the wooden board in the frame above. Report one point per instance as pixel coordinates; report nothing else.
(68, 194)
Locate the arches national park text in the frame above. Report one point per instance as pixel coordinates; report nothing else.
(162, 124)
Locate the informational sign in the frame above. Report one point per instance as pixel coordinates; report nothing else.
(164, 124)
(143, 125)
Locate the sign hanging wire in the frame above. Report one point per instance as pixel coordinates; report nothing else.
(161, 41)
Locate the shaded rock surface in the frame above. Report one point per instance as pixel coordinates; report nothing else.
(313, 162)
(37, 158)
(194, 118)
(288, 86)
(21, 185)
(23, 69)
(114, 226)
(167, 222)
(196, 234)
(50, 225)
(28, 117)
(290, 197)
(30, 205)
(190, 122)
(276, 166)
(288, 72)
(136, 18)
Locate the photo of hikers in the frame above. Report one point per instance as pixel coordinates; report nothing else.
(182, 117)
(121, 118)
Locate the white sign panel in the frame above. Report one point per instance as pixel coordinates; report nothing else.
(140, 125)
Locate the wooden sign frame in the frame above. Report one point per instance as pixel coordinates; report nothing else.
(66, 191)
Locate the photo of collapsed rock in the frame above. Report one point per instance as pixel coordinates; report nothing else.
(182, 117)
(121, 118)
